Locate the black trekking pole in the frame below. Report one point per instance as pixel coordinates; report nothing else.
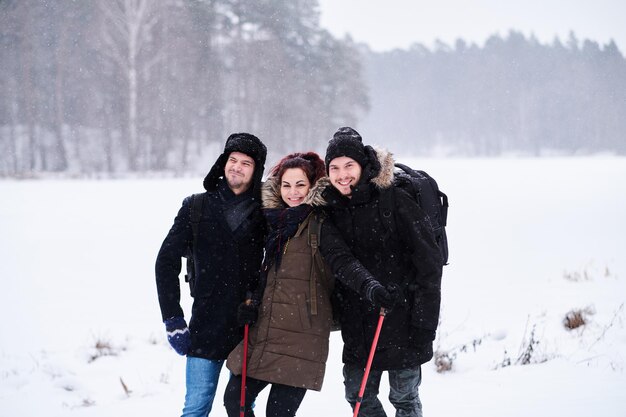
(244, 365)
(359, 399)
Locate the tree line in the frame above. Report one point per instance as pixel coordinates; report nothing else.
(123, 86)
(513, 95)
(144, 85)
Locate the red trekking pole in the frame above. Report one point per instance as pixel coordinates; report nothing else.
(381, 317)
(242, 402)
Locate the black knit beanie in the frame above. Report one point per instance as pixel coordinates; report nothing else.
(346, 142)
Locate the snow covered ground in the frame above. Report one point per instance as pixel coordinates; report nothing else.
(530, 241)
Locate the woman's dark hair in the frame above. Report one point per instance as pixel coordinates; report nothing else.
(309, 162)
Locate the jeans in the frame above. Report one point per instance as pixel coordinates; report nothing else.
(403, 392)
(201, 380)
(283, 400)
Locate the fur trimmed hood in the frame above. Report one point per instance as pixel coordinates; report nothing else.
(384, 178)
(270, 190)
(270, 193)
(378, 173)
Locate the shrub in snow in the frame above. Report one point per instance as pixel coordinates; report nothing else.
(444, 360)
(102, 348)
(125, 387)
(577, 317)
(529, 352)
(588, 273)
(506, 361)
(576, 276)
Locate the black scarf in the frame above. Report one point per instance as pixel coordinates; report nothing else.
(236, 207)
(283, 223)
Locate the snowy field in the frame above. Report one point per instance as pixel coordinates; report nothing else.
(530, 241)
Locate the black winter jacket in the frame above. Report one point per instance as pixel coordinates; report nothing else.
(227, 265)
(356, 244)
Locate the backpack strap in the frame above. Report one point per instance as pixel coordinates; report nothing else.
(444, 208)
(195, 213)
(386, 203)
(195, 208)
(315, 231)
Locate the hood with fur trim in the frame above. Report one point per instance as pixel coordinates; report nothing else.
(381, 176)
(270, 193)
(384, 178)
(377, 174)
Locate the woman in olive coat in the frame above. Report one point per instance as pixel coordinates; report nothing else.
(290, 313)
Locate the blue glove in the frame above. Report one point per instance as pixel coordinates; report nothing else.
(178, 334)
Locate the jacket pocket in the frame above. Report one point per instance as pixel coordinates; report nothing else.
(417, 309)
(291, 316)
(305, 320)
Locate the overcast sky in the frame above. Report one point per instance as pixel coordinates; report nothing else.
(389, 24)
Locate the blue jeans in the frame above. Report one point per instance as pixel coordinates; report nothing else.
(201, 380)
(403, 391)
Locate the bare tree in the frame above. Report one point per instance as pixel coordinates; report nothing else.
(127, 32)
(115, 85)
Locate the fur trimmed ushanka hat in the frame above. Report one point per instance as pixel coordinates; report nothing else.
(245, 143)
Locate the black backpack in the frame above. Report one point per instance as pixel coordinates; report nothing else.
(195, 209)
(426, 192)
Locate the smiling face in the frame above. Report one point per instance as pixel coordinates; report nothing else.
(344, 173)
(294, 186)
(238, 172)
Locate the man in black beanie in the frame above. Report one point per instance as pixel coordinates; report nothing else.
(225, 241)
(346, 149)
(379, 271)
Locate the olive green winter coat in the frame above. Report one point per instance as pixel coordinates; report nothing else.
(289, 342)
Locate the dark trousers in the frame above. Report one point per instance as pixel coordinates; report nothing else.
(403, 391)
(283, 400)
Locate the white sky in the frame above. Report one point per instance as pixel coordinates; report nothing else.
(390, 24)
